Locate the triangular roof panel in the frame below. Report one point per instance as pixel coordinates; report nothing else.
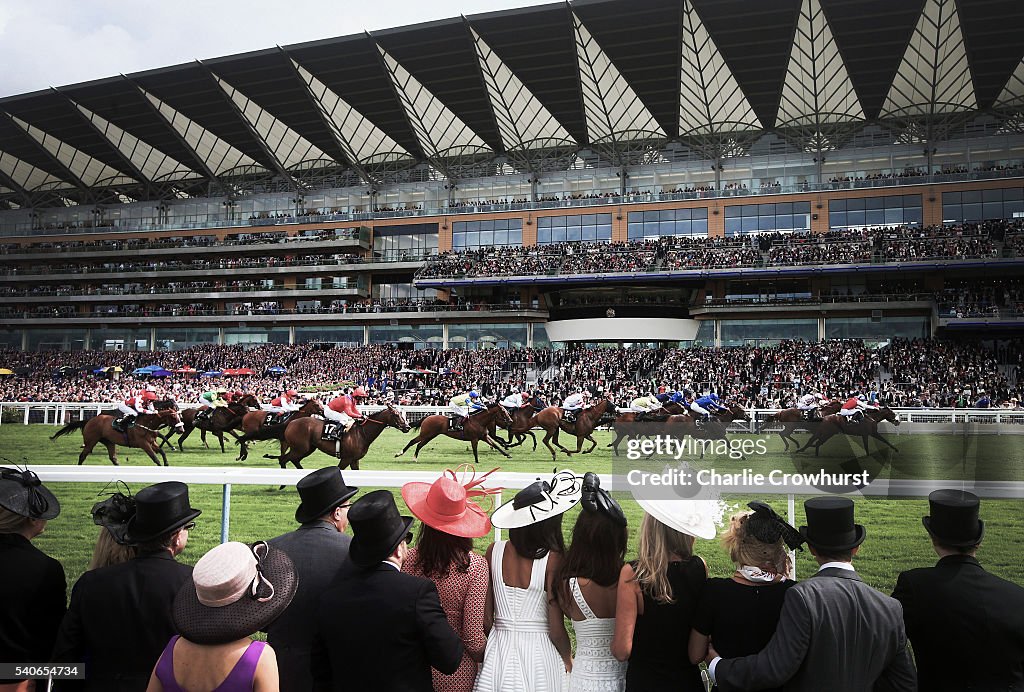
(935, 76)
(1012, 94)
(613, 110)
(710, 99)
(27, 176)
(89, 170)
(219, 156)
(151, 162)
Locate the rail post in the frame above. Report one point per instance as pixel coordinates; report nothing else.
(225, 513)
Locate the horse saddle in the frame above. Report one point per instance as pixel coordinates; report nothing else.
(123, 423)
(332, 432)
(811, 415)
(568, 416)
(276, 418)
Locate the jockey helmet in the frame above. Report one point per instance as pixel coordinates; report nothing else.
(713, 396)
(474, 395)
(676, 397)
(291, 393)
(359, 391)
(524, 395)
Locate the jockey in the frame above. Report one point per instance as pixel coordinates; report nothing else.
(809, 403)
(463, 405)
(285, 403)
(141, 402)
(515, 400)
(706, 405)
(344, 409)
(644, 405)
(234, 396)
(669, 396)
(573, 403)
(215, 398)
(853, 406)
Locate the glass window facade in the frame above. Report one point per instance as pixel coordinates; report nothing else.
(868, 212)
(744, 332)
(55, 339)
(540, 336)
(981, 205)
(346, 336)
(574, 229)
(409, 335)
(403, 291)
(705, 334)
(667, 222)
(467, 235)
(255, 335)
(409, 241)
(767, 218)
(120, 339)
(876, 330)
(479, 336)
(172, 339)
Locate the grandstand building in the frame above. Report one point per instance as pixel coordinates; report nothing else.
(661, 171)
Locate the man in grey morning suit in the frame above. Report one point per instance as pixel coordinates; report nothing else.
(835, 633)
(319, 549)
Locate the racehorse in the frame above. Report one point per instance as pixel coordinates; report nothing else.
(253, 428)
(303, 436)
(519, 427)
(714, 429)
(477, 427)
(552, 421)
(793, 419)
(142, 434)
(865, 428)
(222, 420)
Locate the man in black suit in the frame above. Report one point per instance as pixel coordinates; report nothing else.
(835, 632)
(966, 625)
(377, 628)
(119, 620)
(318, 549)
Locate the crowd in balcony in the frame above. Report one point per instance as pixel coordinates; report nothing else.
(918, 373)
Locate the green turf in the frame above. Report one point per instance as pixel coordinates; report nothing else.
(896, 539)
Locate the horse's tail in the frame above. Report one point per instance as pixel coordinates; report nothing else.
(265, 432)
(417, 423)
(767, 420)
(69, 428)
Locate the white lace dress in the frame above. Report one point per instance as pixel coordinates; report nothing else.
(519, 655)
(594, 669)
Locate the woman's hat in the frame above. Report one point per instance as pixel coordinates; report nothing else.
(378, 528)
(446, 504)
(23, 493)
(954, 518)
(114, 513)
(830, 524)
(766, 526)
(160, 509)
(236, 590)
(539, 501)
(698, 518)
(321, 491)
(596, 499)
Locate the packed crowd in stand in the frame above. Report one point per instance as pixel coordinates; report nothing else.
(916, 373)
(886, 244)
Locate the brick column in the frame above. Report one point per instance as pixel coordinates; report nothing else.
(716, 222)
(931, 207)
(529, 230)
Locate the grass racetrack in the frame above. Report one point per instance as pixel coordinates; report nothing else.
(895, 541)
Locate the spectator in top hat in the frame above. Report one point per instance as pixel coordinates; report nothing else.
(33, 589)
(377, 628)
(319, 549)
(835, 632)
(119, 619)
(966, 625)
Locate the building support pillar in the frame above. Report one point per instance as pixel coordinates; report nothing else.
(444, 335)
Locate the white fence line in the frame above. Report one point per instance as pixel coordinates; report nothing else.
(60, 413)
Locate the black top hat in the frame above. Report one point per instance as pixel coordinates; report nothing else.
(378, 528)
(24, 494)
(954, 518)
(160, 509)
(321, 491)
(830, 524)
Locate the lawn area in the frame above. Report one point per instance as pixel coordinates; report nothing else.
(896, 540)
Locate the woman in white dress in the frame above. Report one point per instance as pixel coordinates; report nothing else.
(528, 647)
(586, 589)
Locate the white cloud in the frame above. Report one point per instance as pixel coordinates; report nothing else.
(47, 43)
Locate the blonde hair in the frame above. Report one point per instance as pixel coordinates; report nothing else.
(11, 522)
(109, 552)
(658, 544)
(745, 549)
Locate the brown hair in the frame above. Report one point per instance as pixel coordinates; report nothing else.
(745, 549)
(597, 552)
(11, 522)
(439, 554)
(534, 541)
(109, 552)
(657, 545)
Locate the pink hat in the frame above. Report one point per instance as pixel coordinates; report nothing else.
(445, 504)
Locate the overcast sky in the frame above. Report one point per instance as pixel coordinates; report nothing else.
(47, 43)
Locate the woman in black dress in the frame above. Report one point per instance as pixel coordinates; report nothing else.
(739, 614)
(657, 596)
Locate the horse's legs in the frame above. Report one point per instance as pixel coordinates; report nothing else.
(86, 451)
(476, 455)
(547, 443)
(878, 436)
(593, 443)
(411, 443)
(111, 451)
(534, 438)
(490, 440)
(202, 436)
(243, 451)
(147, 447)
(220, 438)
(184, 435)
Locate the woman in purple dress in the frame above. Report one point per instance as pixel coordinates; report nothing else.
(236, 590)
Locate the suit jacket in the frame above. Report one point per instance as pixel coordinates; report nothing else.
(835, 633)
(966, 626)
(319, 551)
(381, 629)
(33, 598)
(119, 621)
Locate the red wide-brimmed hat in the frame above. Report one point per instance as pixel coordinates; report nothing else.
(447, 504)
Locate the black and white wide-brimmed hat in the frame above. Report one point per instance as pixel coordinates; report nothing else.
(236, 590)
(539, 501)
